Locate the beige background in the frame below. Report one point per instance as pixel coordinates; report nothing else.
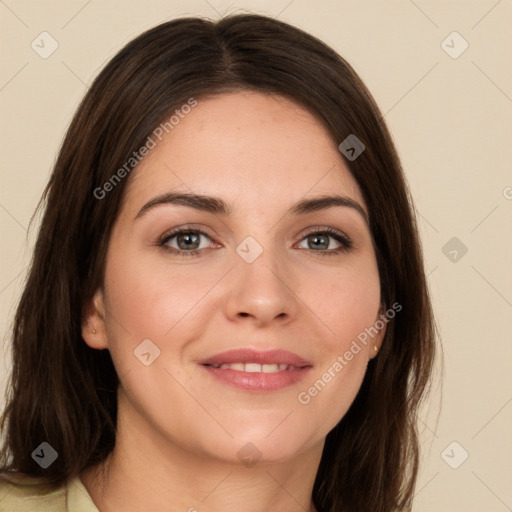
(451, 120)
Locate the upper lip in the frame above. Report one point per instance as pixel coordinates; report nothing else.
(247, 355)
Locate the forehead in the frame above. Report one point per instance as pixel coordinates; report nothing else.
(256, 148)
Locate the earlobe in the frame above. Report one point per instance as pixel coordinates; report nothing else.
(93, 322)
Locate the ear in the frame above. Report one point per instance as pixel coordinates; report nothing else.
(381, 322)
(93, 322)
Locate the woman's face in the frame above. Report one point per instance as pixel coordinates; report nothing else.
(256, 274)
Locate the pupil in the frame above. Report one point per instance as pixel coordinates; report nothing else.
(189, 239)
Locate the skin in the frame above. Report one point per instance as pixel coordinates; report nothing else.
(179, 429)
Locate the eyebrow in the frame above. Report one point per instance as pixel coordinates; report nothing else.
(217, 206)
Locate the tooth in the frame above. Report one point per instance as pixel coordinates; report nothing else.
(252, 367)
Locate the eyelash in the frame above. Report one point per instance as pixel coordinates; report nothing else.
(344, 240)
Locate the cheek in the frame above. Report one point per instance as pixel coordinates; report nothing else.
(346, 302)
(336, 380)
(348, 306)
(150, 300)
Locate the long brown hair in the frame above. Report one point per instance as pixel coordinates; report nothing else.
(63, 392)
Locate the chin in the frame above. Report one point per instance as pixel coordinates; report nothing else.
(262, 446)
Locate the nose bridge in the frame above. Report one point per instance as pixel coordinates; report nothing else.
(260, 289)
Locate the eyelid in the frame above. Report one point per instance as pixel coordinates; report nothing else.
(183, 228)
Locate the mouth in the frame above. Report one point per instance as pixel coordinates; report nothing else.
(257, 371)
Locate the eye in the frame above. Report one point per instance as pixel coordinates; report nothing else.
(186, 242)
(321, 241)
(191, 242)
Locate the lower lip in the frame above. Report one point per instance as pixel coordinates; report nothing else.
(258, 381)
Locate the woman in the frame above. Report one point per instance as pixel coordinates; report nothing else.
(227, 304)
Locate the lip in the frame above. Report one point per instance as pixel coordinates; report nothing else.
(257, 381)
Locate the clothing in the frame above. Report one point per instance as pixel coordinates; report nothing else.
(21, 493)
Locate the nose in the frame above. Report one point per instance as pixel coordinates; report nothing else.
(261, 292)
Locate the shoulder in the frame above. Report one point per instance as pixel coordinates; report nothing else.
(19, 492)
(23, 493)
